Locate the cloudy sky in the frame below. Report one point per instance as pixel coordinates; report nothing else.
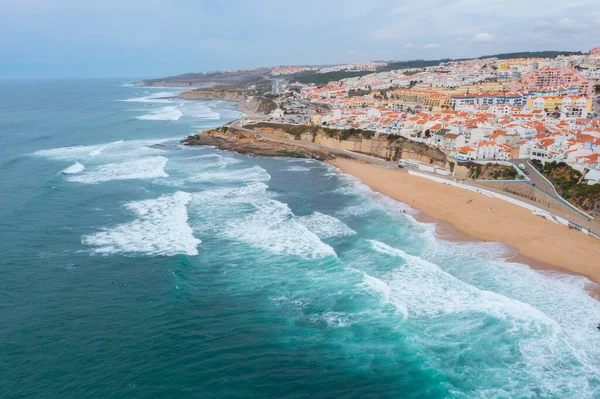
(145, 38)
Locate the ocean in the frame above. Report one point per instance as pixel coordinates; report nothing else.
(136, 267)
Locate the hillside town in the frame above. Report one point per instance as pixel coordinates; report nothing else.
(543, 109)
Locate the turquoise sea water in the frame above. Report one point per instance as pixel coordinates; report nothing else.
(135, 267)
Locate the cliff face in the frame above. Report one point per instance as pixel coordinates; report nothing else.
(231, 139)
(208, 94)
(379, 145)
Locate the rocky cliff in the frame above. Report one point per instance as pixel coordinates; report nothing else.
(231, 139)
(361, 141)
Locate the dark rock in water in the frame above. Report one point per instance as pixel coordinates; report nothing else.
(245, 143)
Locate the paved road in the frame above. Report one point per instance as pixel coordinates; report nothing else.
(537, 179)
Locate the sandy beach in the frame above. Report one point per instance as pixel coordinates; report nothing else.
(485, 218)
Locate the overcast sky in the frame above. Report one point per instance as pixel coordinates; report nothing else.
(147, 38)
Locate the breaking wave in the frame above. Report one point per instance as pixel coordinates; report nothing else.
(325, 226)
(253, 174)
(142, 168)
(75, 168)
(272, 227)
(164, 114)
(161, 229)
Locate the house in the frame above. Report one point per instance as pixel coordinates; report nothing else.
(466, 153)
(487, 149)
(452, 141)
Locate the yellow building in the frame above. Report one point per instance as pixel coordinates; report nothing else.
(556, 103)
(504, 65)
(427, 98)
(484, 87)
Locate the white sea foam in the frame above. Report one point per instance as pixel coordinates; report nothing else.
(325, 226)
(107, 151)
(69, 153)
(357, 210)
(164, 114)
(297, 169)
(142, 168)
(158, 98)
(332, 319)
(161, 229)
(272, 227)
(551, 322)
(200, 110)
(388, 203)
(380, 287)
(429, 291)
(249, 193)
(75, 168)
(214, 160)
(253, 174)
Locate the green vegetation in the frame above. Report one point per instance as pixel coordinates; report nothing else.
(298, 130)
(489, 171)
(532, 54)
(291, 154)
(414, 64)
(393, 137)
(324, 78)
(294, 130)
(523, 54)
(347, 133)
(358, 92)
(569, 183)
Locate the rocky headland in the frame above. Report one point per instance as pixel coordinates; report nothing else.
(231, 139)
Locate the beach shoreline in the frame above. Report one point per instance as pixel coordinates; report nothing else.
(461, 215)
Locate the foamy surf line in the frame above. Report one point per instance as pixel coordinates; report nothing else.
(164, 114)
(325, 226)
(75, 168)
(116, 150)
(143, 168)
(161, 229)
(161, 97)
(273, 227)
(540, 335)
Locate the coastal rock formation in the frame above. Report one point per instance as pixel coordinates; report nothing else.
(385, 146)
(226, 138)
(204, 79)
